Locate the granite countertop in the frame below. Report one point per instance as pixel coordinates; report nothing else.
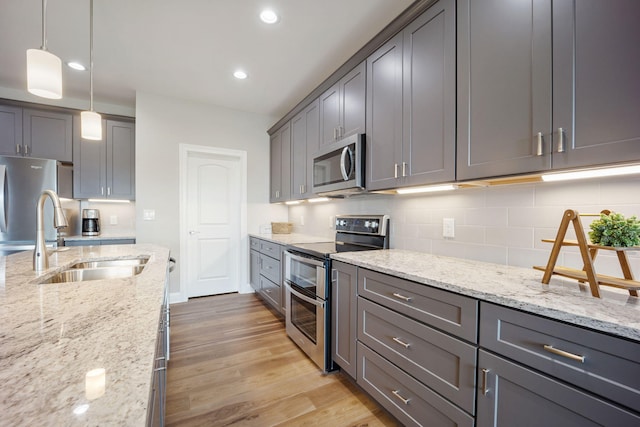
(52, 335)
(290, 239)
(615, 313)
(100, 237)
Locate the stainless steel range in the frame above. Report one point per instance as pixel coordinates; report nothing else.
(308, 283)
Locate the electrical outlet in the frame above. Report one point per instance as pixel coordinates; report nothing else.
(148, 214)
(113, 220)
(332, 221)
(301, 219)
(448, 228)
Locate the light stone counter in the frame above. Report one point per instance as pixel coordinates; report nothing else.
(615, 313)
(101, 237)
(290, 239)
(51, 335)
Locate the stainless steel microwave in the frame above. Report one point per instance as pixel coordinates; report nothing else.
(338, 168)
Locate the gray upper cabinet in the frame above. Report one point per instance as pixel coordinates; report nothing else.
(504, 87)
(281, 165)
(47, 134)
(411, 103)
(304, 142)
(342, 107)
(10, 130)
(510, 121)
(596, 84)
(105, 169)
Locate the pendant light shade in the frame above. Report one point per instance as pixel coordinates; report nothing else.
(90, 121)
(44, 69)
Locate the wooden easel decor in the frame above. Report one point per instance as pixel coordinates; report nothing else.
(588, 252)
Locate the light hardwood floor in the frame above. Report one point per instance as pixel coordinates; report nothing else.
(233, 364)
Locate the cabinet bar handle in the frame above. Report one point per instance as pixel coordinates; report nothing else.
(395, 170)
(335, 133)
(402, 297)
(402, 343)
(17, 148)
(485, 390)
(404, 168)
(563, 353)
(539, 149)
(560, 140)
(164, 368)
(102, 191)
(108, 191)
(397, 394)
(26, 150)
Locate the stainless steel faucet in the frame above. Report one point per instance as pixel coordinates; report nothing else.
(40, 256)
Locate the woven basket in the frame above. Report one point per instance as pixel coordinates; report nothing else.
(281, 227)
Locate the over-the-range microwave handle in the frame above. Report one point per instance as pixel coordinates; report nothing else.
(3, 206)
(304, 260)
(304, 297)
(346, 151)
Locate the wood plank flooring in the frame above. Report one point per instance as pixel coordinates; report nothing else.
(233, 364)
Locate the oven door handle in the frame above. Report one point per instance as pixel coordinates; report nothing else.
(305, 260)
(304, 297)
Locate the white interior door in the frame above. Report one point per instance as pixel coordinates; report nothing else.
(213, 224)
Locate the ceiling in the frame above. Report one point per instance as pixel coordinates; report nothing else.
(190, 48)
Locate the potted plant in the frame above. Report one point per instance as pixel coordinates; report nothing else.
(615, 230)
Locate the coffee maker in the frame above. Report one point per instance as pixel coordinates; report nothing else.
(90, 222)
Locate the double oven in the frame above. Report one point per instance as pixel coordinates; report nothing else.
(307, 281)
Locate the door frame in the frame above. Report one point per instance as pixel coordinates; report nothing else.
(235, 155)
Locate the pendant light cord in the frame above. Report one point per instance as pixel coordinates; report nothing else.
(44, 25)
(90, 53)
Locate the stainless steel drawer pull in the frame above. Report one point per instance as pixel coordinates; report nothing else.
(402, 297)
(397, 394)
(404, 168)
(164, 368)
(563, 353)
(560, 140)
(402, 343)
(539, 149)
(485, 390)
(395, 170)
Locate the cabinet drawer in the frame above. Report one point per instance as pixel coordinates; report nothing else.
(513, 395)
(449, 312)
(254, 243)
(271, 249)
(407, 399)
(270, 268)
(442, 362)
(611, 366)
(271, 292)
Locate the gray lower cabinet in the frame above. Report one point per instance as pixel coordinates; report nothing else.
(304, 143)
(94, 242)
(546, 85)
(266, 271)
(344, 316)
(513, 395)
(105, 169)
(280, 154)
(411, 110)
(44, 134)
(342, 107)
(158, 393)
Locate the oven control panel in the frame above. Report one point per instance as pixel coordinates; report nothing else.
(370, 224)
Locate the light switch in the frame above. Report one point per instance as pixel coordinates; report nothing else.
(113, 220)
(448, 228)
(149, 214)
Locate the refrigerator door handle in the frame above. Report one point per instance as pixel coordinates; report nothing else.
(3, 206)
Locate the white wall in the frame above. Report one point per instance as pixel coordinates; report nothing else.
(502, 225)
(162, 124)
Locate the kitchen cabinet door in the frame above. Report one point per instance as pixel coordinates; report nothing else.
(47, 135)
(429, 101)
(384, 115)
(504, 87)
(344, 316)
(342, 107)
(281, 164)
(121, 160)
(304, 143)
(596, 84)
(513, 395)
(89, 164)
(254, 272)
(10, 130)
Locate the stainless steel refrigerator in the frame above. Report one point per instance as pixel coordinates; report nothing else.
(22, 180)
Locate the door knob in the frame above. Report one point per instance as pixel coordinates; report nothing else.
(192, 232)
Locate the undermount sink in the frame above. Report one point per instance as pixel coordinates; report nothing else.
(99, 270)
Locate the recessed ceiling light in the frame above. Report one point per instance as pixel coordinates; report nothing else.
(240, 75)
(268, 16)
(76, 66)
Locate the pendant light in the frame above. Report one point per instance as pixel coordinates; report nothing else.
(44, 69)
(90, 121)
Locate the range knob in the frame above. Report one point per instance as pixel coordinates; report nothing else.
(367, 224)
(374, 224)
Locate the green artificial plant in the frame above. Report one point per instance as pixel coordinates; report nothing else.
(615, 230)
